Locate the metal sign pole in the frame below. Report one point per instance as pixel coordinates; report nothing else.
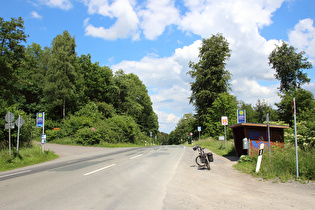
(225, 136)
(296, 146)
(18, 136)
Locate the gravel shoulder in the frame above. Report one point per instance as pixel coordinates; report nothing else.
(223, 187)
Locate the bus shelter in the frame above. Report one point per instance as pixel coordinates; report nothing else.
(255, 135)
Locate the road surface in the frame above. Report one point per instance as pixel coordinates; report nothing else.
(93, 178)
(161, 177)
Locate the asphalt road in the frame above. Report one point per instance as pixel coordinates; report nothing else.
(93, 178)
(161, 177)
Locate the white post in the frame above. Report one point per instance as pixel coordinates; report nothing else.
(18, 136)
(261, 149)
(296, 146)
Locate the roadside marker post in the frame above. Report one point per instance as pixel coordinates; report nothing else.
(261, 150)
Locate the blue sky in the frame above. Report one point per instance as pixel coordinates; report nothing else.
(156, 39)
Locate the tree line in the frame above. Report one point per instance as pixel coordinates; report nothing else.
(88, 103)
(212, 99)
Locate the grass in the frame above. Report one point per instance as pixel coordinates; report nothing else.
(281, 165)
(25, 157)
(215, 146)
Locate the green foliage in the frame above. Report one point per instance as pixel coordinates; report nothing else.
(55, 80)
(224, 105)
(11, 55)
(61, 76)
(209, 74)
(305, 135)
(26, 130)
(282, 164)
(184, 126)
(133, 100)
(288, 65)
(305, 106)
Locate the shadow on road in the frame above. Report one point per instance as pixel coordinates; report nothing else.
(233, 159)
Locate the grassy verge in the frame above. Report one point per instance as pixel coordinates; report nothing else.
(281, 164)
(25, 157)
(217, 147)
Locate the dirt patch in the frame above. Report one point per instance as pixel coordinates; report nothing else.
(223, 187)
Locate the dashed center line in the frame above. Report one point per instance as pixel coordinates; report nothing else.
(100, 169)
(135, 156)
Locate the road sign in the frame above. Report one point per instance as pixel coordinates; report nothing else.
(9, 125)
(224, 120)
(9, 117)
(199, 128)
(241, 116)
(19, 122)
(40, 119)
(43, 138)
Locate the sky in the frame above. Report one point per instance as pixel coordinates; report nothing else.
(156, 39)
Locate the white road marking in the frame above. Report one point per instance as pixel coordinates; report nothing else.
(92, 172)
(21, 172)
(135, 156)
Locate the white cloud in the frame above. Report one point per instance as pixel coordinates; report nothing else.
(36, 15)
(61, 4)
(125, 26)
(303, 36)
(156, 16)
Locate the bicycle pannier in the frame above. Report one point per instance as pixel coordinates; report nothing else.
(210, 157)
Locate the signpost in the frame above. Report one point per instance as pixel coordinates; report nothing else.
(199, 129)
(224, 121)
(19, 122)
(40, 122)
(9, 117)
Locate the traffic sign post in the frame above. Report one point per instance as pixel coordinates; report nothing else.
(40, 122)
(9, 117)
(199, 129)
(19, 122)
(224, 121)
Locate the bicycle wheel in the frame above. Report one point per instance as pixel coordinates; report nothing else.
(207, 164)
(198, 160)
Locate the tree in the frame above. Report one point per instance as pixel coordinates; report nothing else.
(224, 105)
(305, 104)
(262, 108)
(133, 100)
(184, 126)
(61, 75)
(31, 79)
(211, 77)
(11, 55)
(288, 65)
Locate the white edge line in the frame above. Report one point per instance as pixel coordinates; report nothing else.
(135, 156)
(92, 172)
(21, 172)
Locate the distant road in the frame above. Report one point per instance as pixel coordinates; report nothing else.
(93, 178)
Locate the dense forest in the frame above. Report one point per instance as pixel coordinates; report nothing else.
(83, 102)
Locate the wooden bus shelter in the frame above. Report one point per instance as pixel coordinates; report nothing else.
(256, 134)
